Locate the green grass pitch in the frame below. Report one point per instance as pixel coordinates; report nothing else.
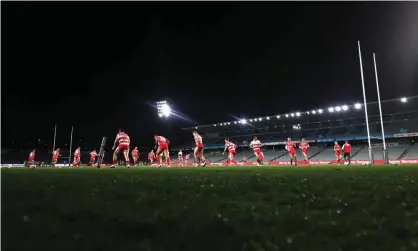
(314, 208)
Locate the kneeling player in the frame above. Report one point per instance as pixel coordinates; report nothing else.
(231, 151)
(162, 144)
(304, 145)
(123, 141)
(198, 150)
(134, 154)
(256, 145)
(290, 147)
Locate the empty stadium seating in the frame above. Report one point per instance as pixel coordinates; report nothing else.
(412, 152)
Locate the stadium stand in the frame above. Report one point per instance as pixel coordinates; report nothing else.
(412, 152)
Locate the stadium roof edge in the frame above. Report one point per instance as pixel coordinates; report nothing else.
(295, 112)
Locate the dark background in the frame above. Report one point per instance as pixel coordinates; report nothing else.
(100, 66)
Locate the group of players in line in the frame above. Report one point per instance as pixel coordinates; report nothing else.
(122, 143)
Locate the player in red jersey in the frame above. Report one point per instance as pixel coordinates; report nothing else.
(186, 159)
(303, 146)
(244, 160)
(93, 155)
(180, 158)
(198, 150)
(162, 144)
(134, 154)
(290, 147)
(123, 141)
(31, 159)
(55, 155)
(231, 151)
(151, 157)
(76, 161)
(256, 145)
(337, 150)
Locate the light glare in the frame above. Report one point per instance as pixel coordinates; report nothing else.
(338, 108)
(319, 110)
(357, 106)
(298, 114)
(403, 100)
(331, 109)
(345, 108)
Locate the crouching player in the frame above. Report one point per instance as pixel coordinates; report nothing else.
(134, 154)
(231, 151)
(256, 145)
(198, 150)
(55, 155)
(123, 141)
(290, 147)
(162, 144)
(151, 157)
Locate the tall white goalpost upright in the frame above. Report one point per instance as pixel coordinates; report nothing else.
(385, 150)
(371, 161)
(71, 144)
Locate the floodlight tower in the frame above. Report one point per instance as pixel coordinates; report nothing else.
(164, 109)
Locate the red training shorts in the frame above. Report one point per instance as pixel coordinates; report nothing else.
(232, 152)
(123, 147)
(199, 147)
(162, 146)
(292, 152)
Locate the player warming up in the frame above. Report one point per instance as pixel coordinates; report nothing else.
(122, 141)
(303, 146)
(198, 150)
(290, 147)
(337, 150)
(76, 161)
(162, 144)
(55, 155)
(134, 154)
(180, 158)
(93, 156)
(186, 159)
(151, 157)
(231, 151)
(256, 145)
(31, 159)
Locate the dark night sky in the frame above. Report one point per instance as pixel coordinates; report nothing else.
(97, 65)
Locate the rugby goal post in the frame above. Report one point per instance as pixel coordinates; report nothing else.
(102, 147)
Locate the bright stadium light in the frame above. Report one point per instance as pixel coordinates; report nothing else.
(259, 119)
(214, 125)
(307, 113)
(235, 122)
(268, 118)
(337, 108)
(196, 127)
(319, 110)
(243, 121)
(251, 120)
(403, 100)
(292, 114)
(163, 108)
(298, 114)
(313, 112)
(278, 116)
(345, 107)
(287, 115)
(331, 109)
(357, 106)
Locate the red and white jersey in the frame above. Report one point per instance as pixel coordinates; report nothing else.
(77, 152)
(160, 139)
(93, 154)
(123, 138)
(304, 145)
(134, 152)
(230, 146)
(290, 145)
(347, 148)
(180, 154)
(255, 144)
(55, 154)
(32, 155)
(151, 155)
(337, 148)
(187, 157)
(244, 159)
(198, 139)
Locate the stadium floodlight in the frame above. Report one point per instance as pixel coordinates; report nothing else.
(278, 116)
(243, 121)
(319, 110)
(287, 115)
(292, 114)
(259, 119)
(214, 125)
(229, 123)
(403, 100)
(337, 108)
(345, 107)
(298, 114)
(357, 106)
(268, 118)
(313, 112)
(235, 122)
(251, 120)
(307, 113)
(331, 109)
(196, 127)
(163, 108)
